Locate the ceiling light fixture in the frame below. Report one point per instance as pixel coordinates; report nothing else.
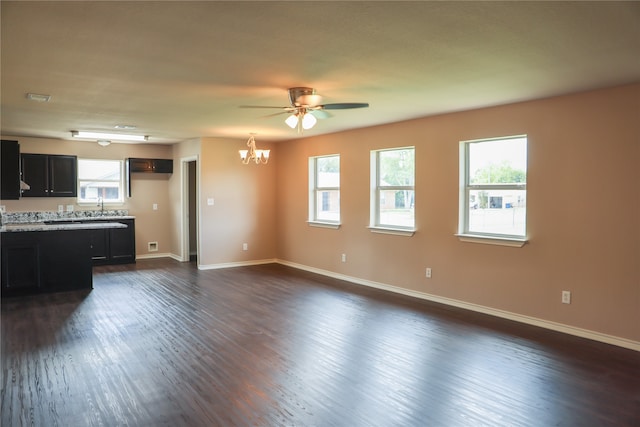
(258, 156)
(104, 142)
(125, 127)
(38, 97)
(108, 136)
(301, 119)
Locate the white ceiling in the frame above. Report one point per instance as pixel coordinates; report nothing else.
(179, 70)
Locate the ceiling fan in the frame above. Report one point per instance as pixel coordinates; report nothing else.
(306, 107)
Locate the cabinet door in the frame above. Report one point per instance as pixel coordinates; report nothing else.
(35, 174)
(99, 241)
(20, 266)
(63, 172)
(65, 262)
(122, 243)
(140, 165)
(10, 170)
(163, 166)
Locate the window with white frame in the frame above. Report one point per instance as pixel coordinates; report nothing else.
(493, 187)
(324, 189)
(392, 188)
(100, 181)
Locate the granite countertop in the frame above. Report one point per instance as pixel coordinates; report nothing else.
(56, 221)
(41, 226)
(90, 218)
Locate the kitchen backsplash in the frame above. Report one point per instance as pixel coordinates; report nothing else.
(30, 217)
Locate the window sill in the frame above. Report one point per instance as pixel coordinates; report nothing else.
(514, 242)
(394, 231)
(332, 225)
(98, 205)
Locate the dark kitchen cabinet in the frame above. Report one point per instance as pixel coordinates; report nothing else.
(136, 165)
(10, 170)
(50, 175)
(114, 245)
(151, 165)
(99, 242)
(45, 261)
(20, 265)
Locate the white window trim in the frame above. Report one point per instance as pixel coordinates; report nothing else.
(464, 235)
(313, 221)
(121, 186)
(408, 232)
(324, 224)
(374, 213)
(515, 242)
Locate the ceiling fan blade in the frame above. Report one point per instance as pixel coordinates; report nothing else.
(345, 105)
(277, 114)
(264, 106)
(321, 114)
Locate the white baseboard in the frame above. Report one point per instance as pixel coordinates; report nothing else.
(159, 255)
(559, 327)
(236, 264)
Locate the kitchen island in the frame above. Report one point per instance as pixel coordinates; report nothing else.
(48, 257)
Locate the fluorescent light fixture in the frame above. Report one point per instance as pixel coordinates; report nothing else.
(108, 136)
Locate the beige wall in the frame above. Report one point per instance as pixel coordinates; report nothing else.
(146, 189)
(583, 211)
(244, 204)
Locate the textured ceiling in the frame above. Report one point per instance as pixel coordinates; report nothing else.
(179, 70)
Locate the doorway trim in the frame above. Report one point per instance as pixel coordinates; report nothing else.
(184, 198)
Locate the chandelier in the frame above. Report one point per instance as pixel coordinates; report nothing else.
(258, 156)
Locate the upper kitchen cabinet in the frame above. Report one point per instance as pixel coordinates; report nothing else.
(10, 170)
(134, 165)
(50, 175)
(151, 165)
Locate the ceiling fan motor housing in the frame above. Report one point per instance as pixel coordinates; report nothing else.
(296, 92)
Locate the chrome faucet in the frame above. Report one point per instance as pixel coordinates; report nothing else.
(101, 203)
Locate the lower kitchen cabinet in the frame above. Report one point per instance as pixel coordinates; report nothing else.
(45, 261)
(114, 245)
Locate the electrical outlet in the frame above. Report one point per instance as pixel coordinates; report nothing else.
(60, 208)
(245, 246)
(566, 297)
(3, 209)
(428, 273)
(344, 257)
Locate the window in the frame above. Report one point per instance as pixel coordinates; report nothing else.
(493, 183)
(100, 180)
(392, 189)
(324, 189)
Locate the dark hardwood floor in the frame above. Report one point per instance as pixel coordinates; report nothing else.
(159, 343)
